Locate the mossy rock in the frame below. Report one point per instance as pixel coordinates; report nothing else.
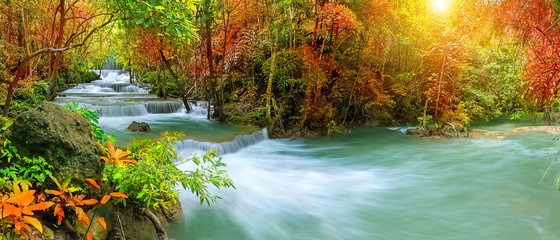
(63, 138)
(449, 130)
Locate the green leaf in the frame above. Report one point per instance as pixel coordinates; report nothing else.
(148, 22)
(178, 31)
(139, 21)
(74, 189)
(66, 181)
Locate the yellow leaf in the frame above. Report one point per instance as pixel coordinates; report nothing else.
(17, 190)
(101, 222)
(33, 221)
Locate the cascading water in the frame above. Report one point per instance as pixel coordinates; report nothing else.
(381, 184)
(372, 184)
(235, 145)
(118, 103)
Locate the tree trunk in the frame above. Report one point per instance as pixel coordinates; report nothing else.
(439, 83)
(211, 93)
(269, 124)
(130, 76)
(8, 101)
(160, 230)
(186, 103)
(56, 63)
(424, 118)
(11, 86)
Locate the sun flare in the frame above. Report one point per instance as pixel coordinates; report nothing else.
(440, 5)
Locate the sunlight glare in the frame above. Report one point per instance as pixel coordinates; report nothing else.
(440, 5)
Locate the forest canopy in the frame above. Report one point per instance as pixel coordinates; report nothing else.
(295, 63)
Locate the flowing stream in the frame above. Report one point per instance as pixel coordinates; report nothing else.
(375, 183)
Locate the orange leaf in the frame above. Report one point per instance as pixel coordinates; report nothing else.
(55, 192)
(22, 198)
(83, 217)
(120, 154)
(105, 199)
(59, 212)
(119, 195)
(40, 206)
(90, 202)
(101, 222)
(41, 198)
(89, 236)
(33, 221)
(93, 183)
(111, 149)
(18, 225)
(9, 210)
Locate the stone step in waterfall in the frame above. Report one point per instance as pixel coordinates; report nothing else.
(140, 109)
(240, 142)
(107, 88)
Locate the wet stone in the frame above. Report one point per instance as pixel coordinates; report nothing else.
(139, 127)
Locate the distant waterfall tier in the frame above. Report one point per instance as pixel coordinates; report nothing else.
(107, 87)
(114, 75)
(129, 110)
(237, 144)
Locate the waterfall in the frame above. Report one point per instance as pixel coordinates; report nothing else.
(114, 87)
(120, 110)
(238, 143)
(198, 111)
(163, 107)
(114, 76)
(129, 110)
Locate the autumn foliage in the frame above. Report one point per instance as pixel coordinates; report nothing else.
(16, 209)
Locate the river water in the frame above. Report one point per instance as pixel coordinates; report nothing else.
(375, 183)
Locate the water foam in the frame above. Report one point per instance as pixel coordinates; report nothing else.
(235, 145)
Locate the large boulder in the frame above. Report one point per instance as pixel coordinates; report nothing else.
(139, 127)
(61, 137)
(136, 225)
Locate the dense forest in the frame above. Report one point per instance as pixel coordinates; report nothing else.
(295, 64)
(296, 67)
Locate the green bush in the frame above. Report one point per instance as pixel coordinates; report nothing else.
(154, 180)
(89, 77)
(29, 97)
(31, 171)
(492, 83)
(93, 119)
